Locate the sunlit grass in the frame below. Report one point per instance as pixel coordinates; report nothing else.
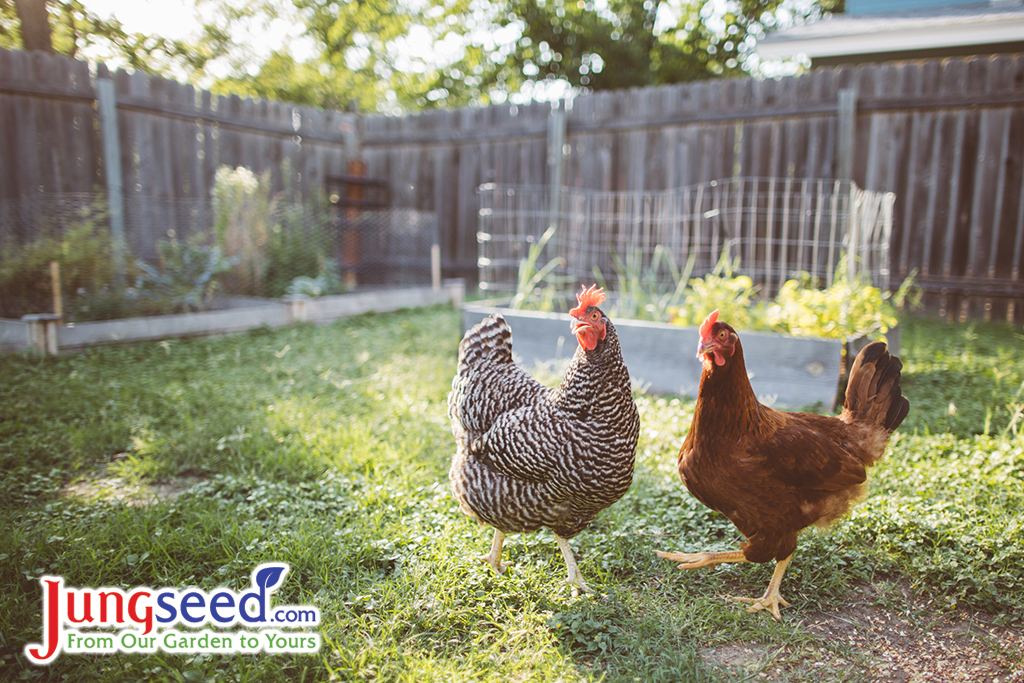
(328, 448)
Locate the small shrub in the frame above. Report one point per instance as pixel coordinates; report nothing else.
(850, 307)
(297, 248)
(243, 211)
(327, 282)
(83, 251)
(735, 297)
(186, 279)
(273, 238)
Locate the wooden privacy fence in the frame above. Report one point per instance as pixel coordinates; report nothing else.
(946, 137)
(69, 131)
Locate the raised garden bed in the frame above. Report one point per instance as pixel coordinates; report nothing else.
(48, 336)
(790, 372)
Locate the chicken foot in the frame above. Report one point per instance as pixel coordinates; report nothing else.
(575, 579)
(771, 600)
(493, 558)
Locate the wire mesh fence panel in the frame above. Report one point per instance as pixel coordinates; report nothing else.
(777, 228)
(386, 247)
(47, 215)
(183, 255)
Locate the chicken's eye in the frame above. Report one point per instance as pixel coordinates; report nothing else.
(595, 316)
(723, 334)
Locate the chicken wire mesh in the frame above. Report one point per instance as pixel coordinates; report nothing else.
(181, 255)
(779, 228)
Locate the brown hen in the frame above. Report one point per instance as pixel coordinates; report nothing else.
(774, 473)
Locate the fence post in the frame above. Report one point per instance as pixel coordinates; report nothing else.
(884, 270)
(351, 237)
(853, 236)
(297, 310)
(847, 134)
(557, 124)
(42, 332)
(106, 100)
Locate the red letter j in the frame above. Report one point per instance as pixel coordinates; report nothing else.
(51, 621)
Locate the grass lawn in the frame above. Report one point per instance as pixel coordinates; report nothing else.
(187, 463)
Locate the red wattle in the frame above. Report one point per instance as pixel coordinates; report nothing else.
(587, 339)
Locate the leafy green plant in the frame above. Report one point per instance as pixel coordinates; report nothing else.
(661, 292)
(186, 278)
(243, 214)
(735, 297)
(593, 631)
(850, 307)
(86, 269)
(653, 292)
(273, 238)
(537, 288)
(326, 282)
(297, 248)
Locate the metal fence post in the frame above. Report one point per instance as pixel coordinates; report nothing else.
(106, 99)
(847, 134)
(557, 125)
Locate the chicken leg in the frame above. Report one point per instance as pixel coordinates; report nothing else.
(697, 560)
(493, 558)
(575, 579)
(771, 600)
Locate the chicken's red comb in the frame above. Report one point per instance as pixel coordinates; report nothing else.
(705, 327)
(588, 297)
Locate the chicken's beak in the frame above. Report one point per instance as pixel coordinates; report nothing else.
(576, 324)
(704, 347)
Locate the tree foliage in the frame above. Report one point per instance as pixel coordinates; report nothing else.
(612, 44)
(513, 46)
(73, 27)
(418, 54)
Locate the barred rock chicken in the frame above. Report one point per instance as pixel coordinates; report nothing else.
(529, 456)
(774, 473)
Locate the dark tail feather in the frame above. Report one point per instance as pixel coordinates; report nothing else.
(873, 394)
(490, 339)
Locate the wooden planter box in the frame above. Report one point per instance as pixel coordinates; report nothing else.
(45, 334)
(788, 372)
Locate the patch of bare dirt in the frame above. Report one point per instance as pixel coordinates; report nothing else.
(943, 647)
(902, 639)
(744, 655)
(129, 493)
